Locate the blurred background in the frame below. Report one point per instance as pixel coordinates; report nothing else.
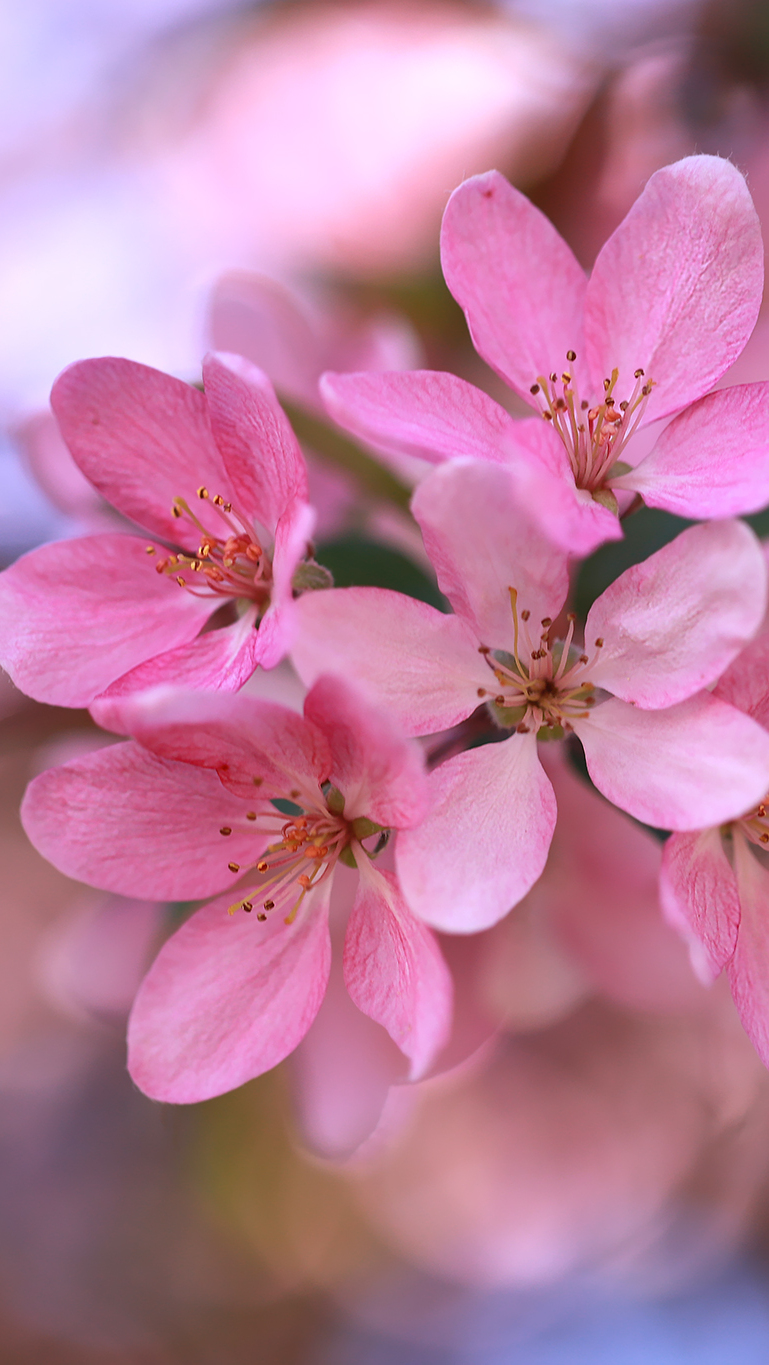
(588, 1177)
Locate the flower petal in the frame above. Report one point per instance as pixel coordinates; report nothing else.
(76, 615)
(673, 623)
(278, 625)
(427, 413)
(544, 483)
(260, 451)
(394, 970)
(699, 896)
(380, 772)
(677, 288)
(226, 999)
(748, 970)
(224, 659)
(143, 438)
(519, 284)
(712, 460)
(485, 841)
(692, 765)
(482, 545)
(126, 821)
(745, 684)
(422, 666)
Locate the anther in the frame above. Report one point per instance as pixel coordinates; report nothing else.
(584, 405)
(481, 691)
(525, 615)
(599, 642)
(250, 814)
(484, 649)
(247, 906)
(202, 492)
(262, 867)
(269, 905)
(150, 550)
(554, 379)
(571, 616)
(583, 659)
(175, 511)
(638, 374)
(546, 621)
(534, 388)
(234, 867)
(258, 781)
(606, 385)
(765, 838)
(261, 916)
(566, 377)
(225, 829)
(180, 581)
(571, 356)
(500, 700)
(293, 794)
(624, 405)
(218, 500)
(522, 729)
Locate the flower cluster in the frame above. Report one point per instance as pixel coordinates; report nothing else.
(420, 781)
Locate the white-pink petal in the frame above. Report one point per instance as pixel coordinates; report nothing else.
(699, 895)
(748, 970)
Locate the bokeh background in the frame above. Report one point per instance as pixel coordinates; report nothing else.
(591, 1184)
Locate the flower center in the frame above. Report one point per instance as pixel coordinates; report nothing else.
(542, 685)
(755, 825)
(230, 562)
(304, 848)
(593, 435)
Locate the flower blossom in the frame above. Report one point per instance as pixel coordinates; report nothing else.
(670, 304)
(715, 880)
(219, 482)
(230, 793)
(656, 743)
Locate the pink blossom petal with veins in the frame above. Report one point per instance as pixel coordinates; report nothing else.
(259, 449)
(712, 460)
(699, 896)
(143, 438)
(125, 820)
(226, 999)
(673, 623)
(78, 614)
(689, 766)
(521, 287)
(240, 738)
(423, 666)
(745, 684)
(394, 970)
(677, 288)
(484, 842)
(379, 772)
(569, 516)
(482, 544)
(278, 625)
(223, 659)
(748, 970)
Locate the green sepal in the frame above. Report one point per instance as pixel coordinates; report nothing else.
(309, 576)
(363, 828)
(547, 732)
(607, 499)
(334, 798)
(348, 858)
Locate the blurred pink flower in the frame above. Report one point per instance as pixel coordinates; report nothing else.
(83, 614)
(671, 302)
(659, 747)
(227, 999)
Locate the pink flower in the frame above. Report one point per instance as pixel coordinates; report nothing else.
(191, 809)
(670, 304)
(715, 880)
(659, 747)
(219, 482)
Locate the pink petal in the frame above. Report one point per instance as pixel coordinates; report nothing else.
(143, 438)
(420, 665)
(427, 413)
(699, 895)
(521, 288)
(278, 625)
(241, 738)
(569, 516)
(712, 460)
(677, 288)
(482, 544)
(485, 841)
(394, 970)
(127, 821)
(673, 623)
(224, 658)
(745, 684)
(692, 765)
(379, 772)
(600, 893)
(748, 970)
(226, 999)
(260, 451)
(76, 615)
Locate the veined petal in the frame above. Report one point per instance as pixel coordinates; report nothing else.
(380, 772)
(521, 287)
(544, 485)
(278, 625)
(427, 413)
(258, 748)
(125, 820)
(482, 544)
(226, 999)
(485, 840)
(712, 460)
(692, 765)
(223, 659)
(677, 288)
(394, 970)
(258, 446)
(143, 438)
(699, 896)
(745, 684)
(672, 624)
(421, 665)
(748, 970)
(76, 615)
